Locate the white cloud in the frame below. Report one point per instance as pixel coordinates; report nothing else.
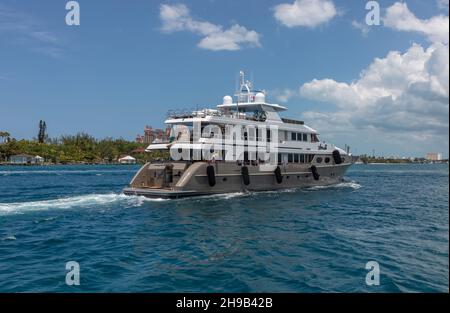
(177, 17)
(406, 95)
(363, 27)
(283, 95)
(308, 13)
(401, 101)
(400, 18)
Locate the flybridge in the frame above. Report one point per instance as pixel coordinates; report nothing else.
(246, 100)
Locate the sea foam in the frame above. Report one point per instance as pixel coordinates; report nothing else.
(82, 201)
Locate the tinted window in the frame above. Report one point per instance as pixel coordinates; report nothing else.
(293, 136)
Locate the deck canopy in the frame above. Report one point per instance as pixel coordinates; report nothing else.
(157, 146)
(252, 106)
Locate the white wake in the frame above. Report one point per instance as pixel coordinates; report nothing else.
(82, 201)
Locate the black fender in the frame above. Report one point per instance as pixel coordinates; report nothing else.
(315, 173)
(337, 157)
(245, 175)
(211, 175)
(278, 175)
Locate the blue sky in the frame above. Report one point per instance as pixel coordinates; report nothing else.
(373, 87)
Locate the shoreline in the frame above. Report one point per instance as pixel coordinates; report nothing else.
(65, 164)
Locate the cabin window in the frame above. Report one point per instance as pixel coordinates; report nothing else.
(310, 157)
(268, 135)
(290, 157)
(305, 137)
(293, 136)
(296, 158)
(319, 160)
(327, 160)
(302, 158)
(280, 160)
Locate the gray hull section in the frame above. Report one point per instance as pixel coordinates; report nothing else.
(193, 181)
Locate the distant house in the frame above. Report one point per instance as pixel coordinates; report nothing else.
(127, 160)
(20, 159)
(37, 160)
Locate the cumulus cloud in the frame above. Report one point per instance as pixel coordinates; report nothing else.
(306, 13)
(400, 18)
(177, 17)
(283, 95)
(405, 94)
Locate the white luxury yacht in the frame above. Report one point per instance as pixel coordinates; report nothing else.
(243, 145)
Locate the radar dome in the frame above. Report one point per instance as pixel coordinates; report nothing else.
(227, 100)
(260, 97)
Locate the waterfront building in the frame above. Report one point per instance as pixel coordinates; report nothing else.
(433, 156)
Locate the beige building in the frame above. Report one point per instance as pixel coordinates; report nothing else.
(153, 135)
(433, 156)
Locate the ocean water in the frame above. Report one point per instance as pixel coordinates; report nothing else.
(307, 240)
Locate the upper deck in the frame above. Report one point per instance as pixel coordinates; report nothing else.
(249, 107)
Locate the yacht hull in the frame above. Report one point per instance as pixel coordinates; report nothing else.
(178, 180)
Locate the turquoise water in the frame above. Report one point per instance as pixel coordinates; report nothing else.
(311, 240)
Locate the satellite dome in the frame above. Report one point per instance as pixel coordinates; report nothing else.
(227, 100)
(260, 97)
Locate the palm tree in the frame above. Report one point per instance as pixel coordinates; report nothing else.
(4, 136)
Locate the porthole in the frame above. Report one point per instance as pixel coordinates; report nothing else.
(327, 160)
(319, 160)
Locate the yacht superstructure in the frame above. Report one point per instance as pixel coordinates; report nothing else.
(242, 145)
